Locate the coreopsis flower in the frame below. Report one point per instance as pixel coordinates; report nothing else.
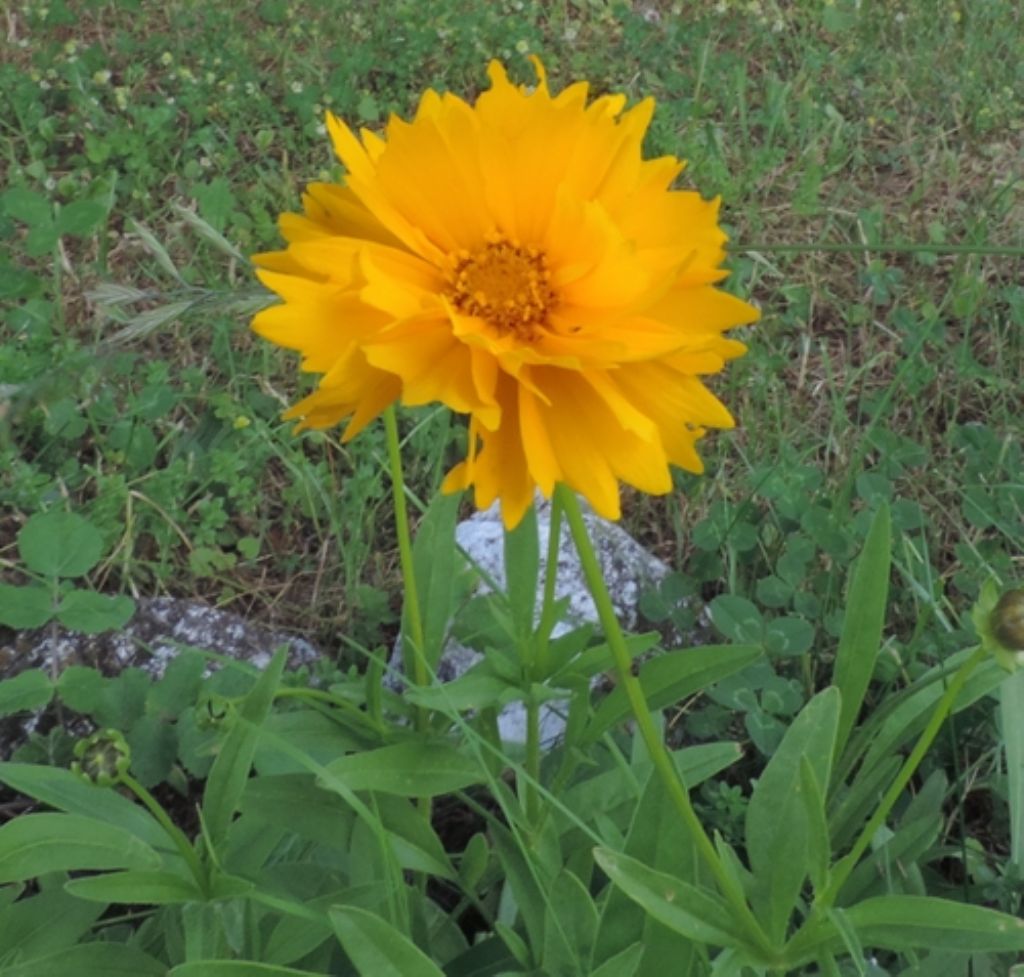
(519, 261)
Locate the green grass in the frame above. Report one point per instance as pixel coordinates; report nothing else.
(872, 375)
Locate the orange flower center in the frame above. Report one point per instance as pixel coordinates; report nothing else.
(505, 284)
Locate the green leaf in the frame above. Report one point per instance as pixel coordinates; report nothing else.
(154, 746)
(60, 544)
(230, 770)
(623, 964)
(916, 922)
(436, 566)
(788, 637)
(570, 925)
(27, 206)
(522, 566)
(296, 803)
(31, 689)
(34, 844)
(63, 790)
(410, 769)
(134, 887)
(667, 678)
(23, 608)
(861, 638)
(92, 613)
(235, 968)
(777, 822)
(737, 618)
(818, 846)
(90, 960)
(378, 949)
(43, 923)
(81, 217)
(1011, 716)
(698, 914)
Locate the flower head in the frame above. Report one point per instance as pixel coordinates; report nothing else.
(519, 261)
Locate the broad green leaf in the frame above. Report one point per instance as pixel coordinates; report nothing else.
(60, 544)
(414, 841)
(667, 678)
(230, 770)
(409, 769)
(90, 960)
(522, 566)
(23, 608)
(154, 747)
(27, 206)
(437, 566)
(31, 689)
(81, 217)
(1011, 715)
(861, 638)
(34, 844)
(698, 914)
(378, 949)
(776, 825)
(235, 968)
(40, 924)
(63, 790)
(92, 613)
(133, 887)
(318, 736)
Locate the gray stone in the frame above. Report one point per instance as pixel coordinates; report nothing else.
(628, 571)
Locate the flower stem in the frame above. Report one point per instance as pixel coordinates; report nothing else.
(663, 764)
(413, 617)
(843, 868)
(175, 833)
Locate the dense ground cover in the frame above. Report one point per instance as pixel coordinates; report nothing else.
(148, 148)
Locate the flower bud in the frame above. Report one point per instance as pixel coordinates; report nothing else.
(102, 759)
(1007, 620)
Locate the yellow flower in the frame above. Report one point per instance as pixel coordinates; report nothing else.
(519, 261)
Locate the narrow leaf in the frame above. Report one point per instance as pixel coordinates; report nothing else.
(154, 888)
(235, 968)
(230, 770)
(670, 677)
(698, 914)
(1011, 714)
(378, 949)
(90, 960)
(63, 790)
(409, 769)
(776, 825)
(34, 844)
(861, 638)
(522, 566)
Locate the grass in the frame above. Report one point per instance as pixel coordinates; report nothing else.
(875, 374)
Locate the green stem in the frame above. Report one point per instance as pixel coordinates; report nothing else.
(548, 609)
(846, 865)
(539, 664)
(884, 248)
(175, 833)
(413, 618)
(663, 764)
